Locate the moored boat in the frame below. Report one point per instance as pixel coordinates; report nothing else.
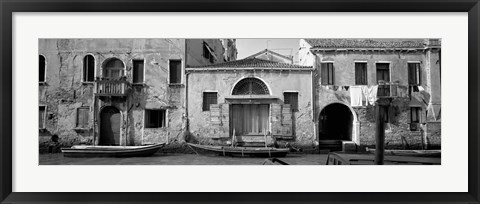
(111, 151)
(242, 151)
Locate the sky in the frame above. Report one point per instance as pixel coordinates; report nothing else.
(247, 47)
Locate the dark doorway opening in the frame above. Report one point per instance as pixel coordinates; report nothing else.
(110, 126)
(335, 123)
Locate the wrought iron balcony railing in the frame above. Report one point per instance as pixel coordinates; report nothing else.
(387, 89)
(111, 88)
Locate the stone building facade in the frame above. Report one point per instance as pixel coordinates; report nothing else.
(117, 91)
(346, 68)
(142, 91)
(251, 98)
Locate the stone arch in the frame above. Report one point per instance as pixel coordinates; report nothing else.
(345, 121)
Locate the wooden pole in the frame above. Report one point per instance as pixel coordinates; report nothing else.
(381, 105)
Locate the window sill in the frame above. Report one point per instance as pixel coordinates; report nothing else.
(88, 82)
(157, 128)
(80, 129)
(139, 84)
(42, 83)
(177, 85)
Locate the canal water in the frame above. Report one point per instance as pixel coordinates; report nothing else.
(180, 159)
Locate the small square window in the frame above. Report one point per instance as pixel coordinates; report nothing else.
(208, 99)
(82, 117)
(155, 118)
(292, 99)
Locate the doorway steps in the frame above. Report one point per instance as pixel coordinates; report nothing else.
(252, 140)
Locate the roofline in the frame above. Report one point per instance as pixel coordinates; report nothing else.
(275, 53)
(193, 69)
(373, 49)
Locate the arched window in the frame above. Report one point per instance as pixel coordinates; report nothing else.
(41, 68)
(250, 86)
(88, 68)
(113, 69)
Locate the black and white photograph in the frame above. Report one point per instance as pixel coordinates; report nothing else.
(244, 101)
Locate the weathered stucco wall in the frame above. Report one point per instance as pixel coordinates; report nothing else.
(64, 90)
(223, 83)
(398, 134)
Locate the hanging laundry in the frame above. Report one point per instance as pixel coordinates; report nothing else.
(415, 88)
(372, 94)
(420, 88)
(356, 96)
(335, 88)
(346, 88)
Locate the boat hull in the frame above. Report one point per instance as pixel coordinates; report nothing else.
(265, 152)
(111, 151)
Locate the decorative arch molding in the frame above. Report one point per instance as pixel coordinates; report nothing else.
(250, 86)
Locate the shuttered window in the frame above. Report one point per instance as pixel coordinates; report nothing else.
(41, 68)
(175, 71)
(41, 116)
(208, 99)
(155, 118)
(138, 69)
(327, 74)
(361, 73)
(88, 68)
(82, 117)
(292, 99)
(414, 74)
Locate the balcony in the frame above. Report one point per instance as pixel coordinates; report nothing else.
(387, 89)
(111, 87)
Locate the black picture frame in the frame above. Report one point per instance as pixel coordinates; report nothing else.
(8, 7)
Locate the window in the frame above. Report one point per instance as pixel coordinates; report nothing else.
(175, 71)
(414, 74)
(138, 69)
(327, 73)
(208, 52)
(415, 114)
(41, 116)
(250, 86)
(383, 74)
(113, 69)
(292, 99)
(208, 99)
(88, 68)
(41, 68)
(155, 118)
(82, 117)
(361, 73)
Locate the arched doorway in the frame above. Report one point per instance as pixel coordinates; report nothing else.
(336, 123)
(110, 126)
(250, 117)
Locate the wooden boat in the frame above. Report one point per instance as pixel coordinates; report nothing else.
(242, 151)
(111, 151)
(412, 153)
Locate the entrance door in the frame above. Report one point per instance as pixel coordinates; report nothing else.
(250, 119)
(110, 126)
(335, 122)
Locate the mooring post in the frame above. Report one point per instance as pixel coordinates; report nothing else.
(380, 107)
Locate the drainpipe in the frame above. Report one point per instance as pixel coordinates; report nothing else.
(187, 125)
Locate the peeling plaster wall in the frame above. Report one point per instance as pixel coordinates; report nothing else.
(64, 90)
(398, 135)
(224, 81)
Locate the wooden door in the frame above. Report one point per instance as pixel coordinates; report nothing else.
(110, 126)
(250, 119)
